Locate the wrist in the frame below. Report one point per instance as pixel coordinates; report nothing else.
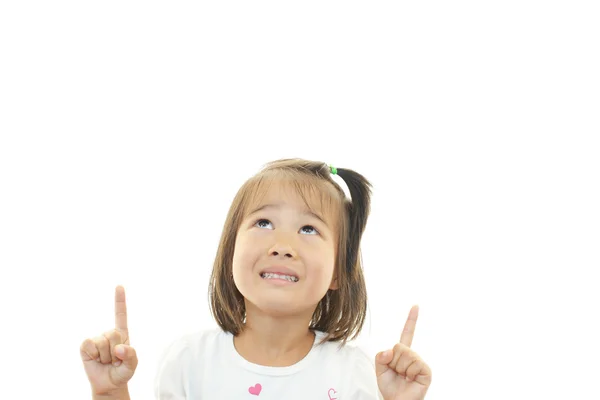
(121, 394)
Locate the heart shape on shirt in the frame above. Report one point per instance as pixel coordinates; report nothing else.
(255, 390)
(330, 394)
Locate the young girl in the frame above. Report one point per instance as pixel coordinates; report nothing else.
(287, 291)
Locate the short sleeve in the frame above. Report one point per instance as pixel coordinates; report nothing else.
(171, 375)
(363, 379)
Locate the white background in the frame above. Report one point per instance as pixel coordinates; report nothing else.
(127, 127)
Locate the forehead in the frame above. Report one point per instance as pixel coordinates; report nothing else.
(312, 195)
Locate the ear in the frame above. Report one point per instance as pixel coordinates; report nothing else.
(334, 283)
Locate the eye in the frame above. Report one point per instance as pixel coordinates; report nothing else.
(310, 230)
(262, 223)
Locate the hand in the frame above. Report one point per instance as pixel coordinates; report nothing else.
(108, 360)
(401, 373)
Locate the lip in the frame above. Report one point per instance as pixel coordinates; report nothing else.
(280, 270)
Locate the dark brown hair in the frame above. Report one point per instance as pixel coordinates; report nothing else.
(341, 312)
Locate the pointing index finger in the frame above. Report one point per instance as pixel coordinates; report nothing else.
(409, 328)
(121, 313)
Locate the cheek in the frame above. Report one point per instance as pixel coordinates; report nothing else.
(245, 252)
(238, 253)
(330, 254)
(326, 262)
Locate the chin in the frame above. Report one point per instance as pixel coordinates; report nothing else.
(280, 307)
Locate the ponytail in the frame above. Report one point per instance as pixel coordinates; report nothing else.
(358, 210)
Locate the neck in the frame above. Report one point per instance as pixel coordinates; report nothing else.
(275, 341)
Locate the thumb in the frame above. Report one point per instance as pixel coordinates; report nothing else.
(128, 357)
(382, 359)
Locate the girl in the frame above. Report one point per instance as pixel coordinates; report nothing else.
(287, 291)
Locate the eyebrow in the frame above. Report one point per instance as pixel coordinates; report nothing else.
(305, 212)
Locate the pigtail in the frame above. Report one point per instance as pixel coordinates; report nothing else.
(358, 210)
(342, 312)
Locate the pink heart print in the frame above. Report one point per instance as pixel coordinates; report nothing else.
(255, 390)
(330, 394)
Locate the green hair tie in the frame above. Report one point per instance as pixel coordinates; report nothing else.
(333, 169)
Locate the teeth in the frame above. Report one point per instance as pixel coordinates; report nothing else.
(269, 275)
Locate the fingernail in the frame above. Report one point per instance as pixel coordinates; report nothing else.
(385, 354)
(117, 363)
(120, 350)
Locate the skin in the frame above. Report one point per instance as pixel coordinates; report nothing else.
(107, 368)
(283, 233)
(286, 235)
(401, 373)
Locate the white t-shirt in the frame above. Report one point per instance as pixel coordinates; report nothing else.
(206, 366)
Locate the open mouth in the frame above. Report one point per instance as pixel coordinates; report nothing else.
(269, 275)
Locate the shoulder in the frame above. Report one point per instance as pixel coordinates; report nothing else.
(184, 359)
(200, 338)
(190, 344)
(363, 377)
(360, 379)
(348, 352)
(184, 355)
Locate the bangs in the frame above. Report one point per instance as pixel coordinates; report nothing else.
(320, 196)
(341, 312)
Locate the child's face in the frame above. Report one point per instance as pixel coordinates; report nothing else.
(285, 237)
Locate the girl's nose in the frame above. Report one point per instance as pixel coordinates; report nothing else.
(283, 249)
